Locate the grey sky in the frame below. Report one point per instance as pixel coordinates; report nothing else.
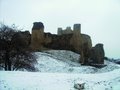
(99, 18)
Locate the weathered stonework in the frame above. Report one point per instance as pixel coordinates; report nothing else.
(67, 39)
(68, 30)
(37, 37)
(97, 54)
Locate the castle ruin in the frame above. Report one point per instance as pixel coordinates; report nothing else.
(67, 39)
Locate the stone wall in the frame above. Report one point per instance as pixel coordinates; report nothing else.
(61, 42)
(68, 30)
(86, 46)
(97, 54)
(86, 39)
(67, 39)
(76, 39)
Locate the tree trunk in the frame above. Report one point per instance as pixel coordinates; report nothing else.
(7, 61)
(5, 64)
(9, 65)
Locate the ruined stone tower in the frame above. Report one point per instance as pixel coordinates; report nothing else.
(37, 37)
(77, 28)
(76, 40)
(59, 32)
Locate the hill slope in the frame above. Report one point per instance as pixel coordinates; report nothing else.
(67, 62)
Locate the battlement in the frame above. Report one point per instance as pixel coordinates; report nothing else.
(68, 30)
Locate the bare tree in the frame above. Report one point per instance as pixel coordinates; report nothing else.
(14, 51)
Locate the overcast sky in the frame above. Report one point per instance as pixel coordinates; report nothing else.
(99, 18)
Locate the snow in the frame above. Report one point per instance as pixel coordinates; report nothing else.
(67, 62)
(60, 70)
(58, 81)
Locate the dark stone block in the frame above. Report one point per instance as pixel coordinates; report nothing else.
(37, 25)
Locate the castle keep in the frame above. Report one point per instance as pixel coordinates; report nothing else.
(66, 39)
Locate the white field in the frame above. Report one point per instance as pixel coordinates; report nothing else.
(60, 70)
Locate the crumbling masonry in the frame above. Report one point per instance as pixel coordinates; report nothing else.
(67, 39)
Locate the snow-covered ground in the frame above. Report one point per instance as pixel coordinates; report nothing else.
(58, 81)
(60, 70)
(68, 62)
